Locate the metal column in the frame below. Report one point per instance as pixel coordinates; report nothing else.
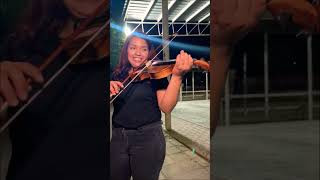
(180, 94)
(266, 77)
(187, 86)
(207, 92)
(245, 84)
(227, 101)
(166, 56)
(310, 100)
(192, 85)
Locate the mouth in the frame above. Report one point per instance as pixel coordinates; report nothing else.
(137, 60)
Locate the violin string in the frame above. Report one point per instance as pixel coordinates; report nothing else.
(149, 63)
(140, 71)
(169, 41)
(135, 77)
(53, 77)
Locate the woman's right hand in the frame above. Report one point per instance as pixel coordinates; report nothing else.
(14, 86)
(233, 19)
(115, 87)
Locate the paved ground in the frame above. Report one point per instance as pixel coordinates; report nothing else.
(192, 120)
(268, 151)
(182, 164)
(265, 151)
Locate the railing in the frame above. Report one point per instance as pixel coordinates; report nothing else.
(282, 103)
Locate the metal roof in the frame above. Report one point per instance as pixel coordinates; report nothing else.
(186, 17)
(181, 12)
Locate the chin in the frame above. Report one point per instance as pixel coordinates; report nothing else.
(137, 65)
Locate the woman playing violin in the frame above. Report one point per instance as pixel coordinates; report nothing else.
(62, 134)
(138, 144)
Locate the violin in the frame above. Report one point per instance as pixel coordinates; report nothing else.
(97, 50)
(162, 69)
(302, 12)
(102, 50)
(155, 69)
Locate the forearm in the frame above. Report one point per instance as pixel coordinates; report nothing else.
(221, 60)
(170, 97)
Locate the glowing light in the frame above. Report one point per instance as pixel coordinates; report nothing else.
(127, 31)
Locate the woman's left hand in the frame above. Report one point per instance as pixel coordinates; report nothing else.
(183, 64)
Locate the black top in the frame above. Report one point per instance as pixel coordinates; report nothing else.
(138, 105)
(63, 134)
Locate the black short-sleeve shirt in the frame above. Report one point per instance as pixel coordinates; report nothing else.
(138, 105)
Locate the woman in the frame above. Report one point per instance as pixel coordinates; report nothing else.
(138, 144)
(62, 134)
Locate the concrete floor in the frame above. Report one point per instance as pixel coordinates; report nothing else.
(269, 151)
(191, 119)
(182, 163)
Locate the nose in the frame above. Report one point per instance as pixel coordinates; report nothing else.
(138, 52)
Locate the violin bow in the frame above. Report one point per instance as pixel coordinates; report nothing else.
(146, 65)
(155, 50)
(54, 55)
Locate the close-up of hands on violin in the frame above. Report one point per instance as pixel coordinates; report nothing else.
(52, 90)
(231, 21)
(260, 48)
(15, 86)
(234, 19)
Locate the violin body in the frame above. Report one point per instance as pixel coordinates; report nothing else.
(162, 69)
(303, 13)
(98, 49)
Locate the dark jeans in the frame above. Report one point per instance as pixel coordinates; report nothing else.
(138, 153)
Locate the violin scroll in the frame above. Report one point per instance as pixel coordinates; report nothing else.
(202, 64)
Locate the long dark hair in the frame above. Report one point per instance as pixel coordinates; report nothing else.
(121, 71)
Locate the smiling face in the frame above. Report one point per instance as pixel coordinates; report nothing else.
(138, 51)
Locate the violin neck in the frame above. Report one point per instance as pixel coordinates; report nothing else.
(169, 62)
(161, 63)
